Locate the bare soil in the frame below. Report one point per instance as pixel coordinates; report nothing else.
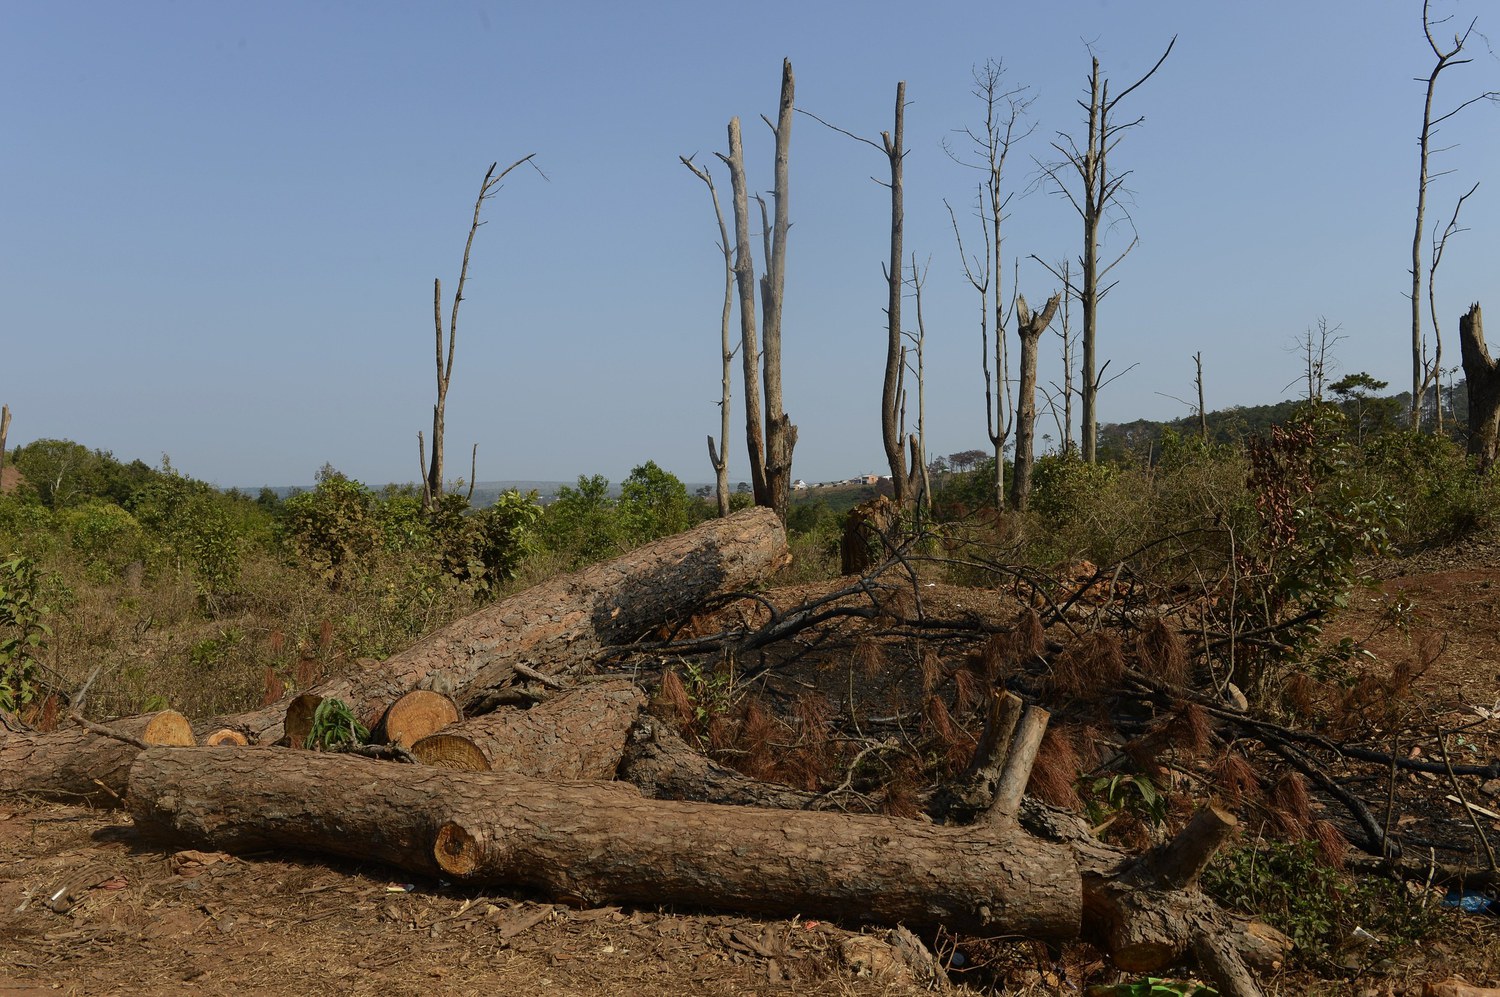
(86, 907)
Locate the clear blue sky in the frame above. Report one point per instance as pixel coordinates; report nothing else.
(220, 222)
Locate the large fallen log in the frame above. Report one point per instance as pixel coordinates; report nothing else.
(578, 734)
(595, 843)
(559, 627)
(77, 765)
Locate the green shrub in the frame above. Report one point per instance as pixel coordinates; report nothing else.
(23, 632)
(333, 527)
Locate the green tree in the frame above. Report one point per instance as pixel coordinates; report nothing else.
(333, 527)
(581, 522)
(654, 503)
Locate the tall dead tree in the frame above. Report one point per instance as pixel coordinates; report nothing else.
(918, 483)
(1423, 372)
(718, 456)
(892, 144)
(1483, 376)
(770, 447)
(433, 484)
(1099, 190)
(1003, 111)
(4, 432)
(1029, 329)
(1440, 243)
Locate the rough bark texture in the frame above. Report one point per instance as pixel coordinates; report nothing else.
(781, 435)
(597, 843)
(579, 734)
(75, 765)
(560, 627)
(890, 393)
(1029, 328)
(1483, 377)
(744, 273)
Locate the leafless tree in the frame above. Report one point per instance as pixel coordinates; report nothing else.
(892, 144)
(433, 483)
(1424, 373)
(718, 456)
(1318, 361)
(918, 482)
(1065, 390)
(1098, 191)
(1004, 115)
(770, 447)
(1202, 412)
(1029, 328)
(1434, 370)
(4, 432)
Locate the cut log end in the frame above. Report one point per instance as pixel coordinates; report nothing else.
(299, 718)
(414, 716)
(168, 728)
(1183, 860)
(226, 736)
(456, 851)
(450, 751)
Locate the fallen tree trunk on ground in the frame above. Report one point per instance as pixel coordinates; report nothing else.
(661, 764)
(593, 843)
(578, 734)
(76, 765)
(559, 627)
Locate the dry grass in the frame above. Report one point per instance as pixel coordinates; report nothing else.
(1055, 774)
(1161, 654)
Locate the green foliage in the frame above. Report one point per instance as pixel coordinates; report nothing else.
(23, 634)
(581, 523)
(505, 534)
(1132, 792)
(103, 536)
(1066, 489)
(1152, 986)
(335, 727)
(654, 503)
(59, 473)
(1317, 906)
(332, 527)
(1432, 481)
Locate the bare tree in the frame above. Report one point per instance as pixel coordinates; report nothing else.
(1434, 370)
(1424, 373)
(433, 483)
(1317, 358)
(1065, 334)
(892, 144)
(770, 447)
(4, 432)
(1202, 412)
(1004, 111)
(718, 456)
(1029, 328)
(919, 482)
(1099, 190)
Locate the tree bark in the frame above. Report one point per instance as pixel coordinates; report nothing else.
(599, 843)
(662, 766)
(579, 734)
(890, 432)
(1029, 328)
(744, 272)
(560, 627)
(595, 843)
(781, 435)
(76, 765)
(1483, 377)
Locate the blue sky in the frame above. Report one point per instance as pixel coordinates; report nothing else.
(221, 221)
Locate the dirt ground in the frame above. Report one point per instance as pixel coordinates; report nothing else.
(88, 908)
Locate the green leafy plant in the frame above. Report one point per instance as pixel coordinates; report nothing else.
(23, 634)
(335, 727)
(1152, 986)
(1130, 791)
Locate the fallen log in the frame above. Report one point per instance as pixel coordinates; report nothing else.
(414, 716)
(660, 764)
(559, 627)
(80, 765)
(596, 843)
(579, 734)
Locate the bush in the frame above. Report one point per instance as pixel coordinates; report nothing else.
(333, 527)
(23, 632)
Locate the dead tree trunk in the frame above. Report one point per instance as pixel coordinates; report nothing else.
(433, 487)
(718, 456)
(598, 843)
(4, 432)
(579, 734)
(770, 446)
(1098, 189)
(890, 433)
(77, 765)
(1029, 329)
(1483, 376)
(560, 627)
